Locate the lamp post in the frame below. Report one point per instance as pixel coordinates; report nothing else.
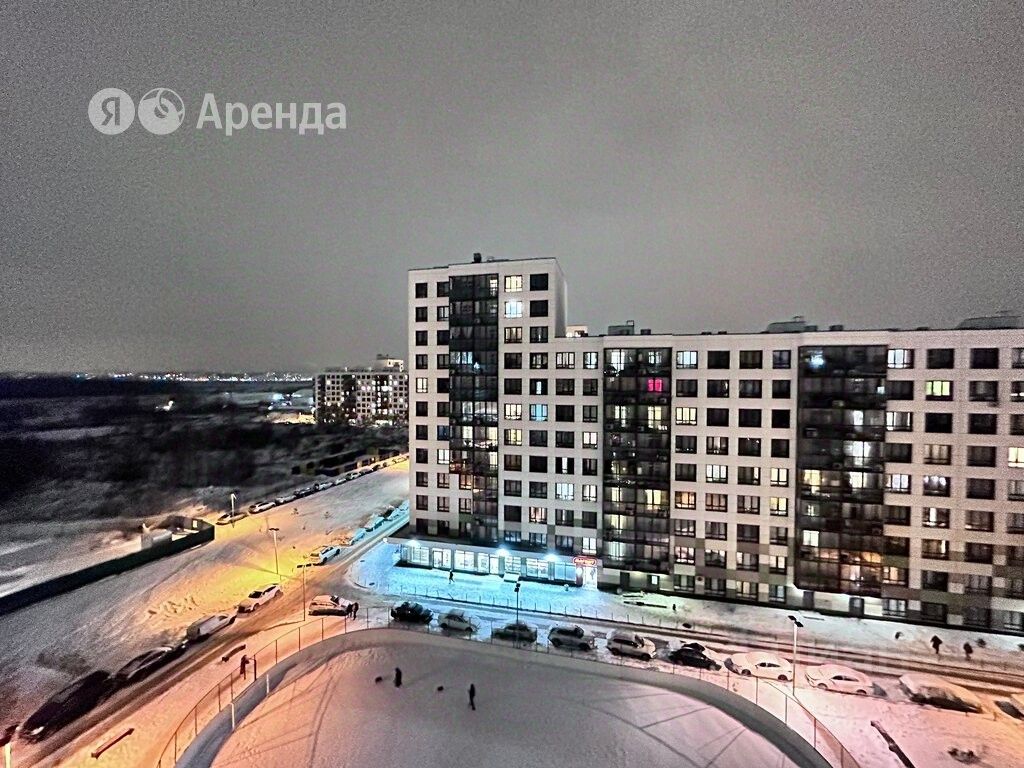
(277, 568)
(517, 601)
(797, 626)
(232, 497)
(302, 567)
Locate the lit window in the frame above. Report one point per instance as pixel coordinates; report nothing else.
(686, 359)
(938, 389)
(514, 308)
(422, 386)
(513, 283)
(780, 477)
(564, 491)
(1016, 457)
(686, 416)
(590, 439)
(590, 360)
(779, 506)
(538, 412)
(901, 358)
(513, 411)
(513, 437)
(716, 473)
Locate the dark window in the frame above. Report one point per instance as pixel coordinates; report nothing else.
(749, 446)
(442, 385)
(421, 408)
(897, 515)
(751, 358)
(686, 388)
(513, 361)
(718, 387)
(513, 487)
(590, 386)
(899, 390)
(565, 439)
(981, 456)
(938, 422)
(538, 308)
(565, 413)
(589, 467)
(780, 449)
(513, 513)
(539, 281)
(443, 337)
(978, 553)
(718, 417)
(780, 389)
(422, 362)
(421, 290)
(937, 580)
(940, 358)
(686, 472)
(421, 314)
(979, 488)
(513, 386)
(538, 490)
(780, 418)
(539, 334)
(750, 388)
(590, 413)
(750, 417)
(538, 438)
(982, 423)
(565, 386)
(781, 358)
(538, 463)
(421, 432)
(442, 288)
(421, 338)
(900, 453)
(513, 462)
(985, 357)
(422, 455)
(718, 359)
(686, 443)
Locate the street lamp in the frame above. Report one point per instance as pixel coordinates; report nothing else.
(277, 568)
(517, 602)
(797, 626)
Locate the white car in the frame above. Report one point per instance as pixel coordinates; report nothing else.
(939, 692)
(231, 517)
(203, 628)
(836, 677)
(322, 555)
(285, 499)
(330, 605)
(323, 485)
(457, 620)
(571, 636)
(623, 643)
(760, 664)
(263, 506)
(259, 597)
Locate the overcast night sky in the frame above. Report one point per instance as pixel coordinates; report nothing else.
(691, 167)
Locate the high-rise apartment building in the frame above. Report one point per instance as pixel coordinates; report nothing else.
(375, 395)
(869, 472)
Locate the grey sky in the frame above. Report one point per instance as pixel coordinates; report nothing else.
(693, 167)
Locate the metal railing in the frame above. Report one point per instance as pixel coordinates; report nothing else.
(771, 697)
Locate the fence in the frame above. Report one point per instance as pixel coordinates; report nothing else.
(768, 695)
(200, 533)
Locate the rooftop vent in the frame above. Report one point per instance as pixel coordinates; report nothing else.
(645, 331)
(836, 327)
(1004, 319)
(477, 258)
(797, 325)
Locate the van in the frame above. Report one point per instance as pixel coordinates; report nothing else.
(203, 628)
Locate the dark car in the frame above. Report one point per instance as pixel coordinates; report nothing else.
(147, 663)
(413, 613)
(695, 655)
(68, 705)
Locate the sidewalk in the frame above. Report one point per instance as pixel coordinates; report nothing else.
(833, 636)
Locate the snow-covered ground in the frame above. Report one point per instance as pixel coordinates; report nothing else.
(103, 625)
(527, 714)
(822, 635)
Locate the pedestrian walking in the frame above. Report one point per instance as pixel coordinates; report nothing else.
(355, 609)
(472, 697)
(968, 650)
(398, 677)
(243, 664)
(451, 576)
(936, 643)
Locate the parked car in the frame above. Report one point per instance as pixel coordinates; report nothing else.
(358, 535)
(330, 605)
(352, 475)
(836, 677)
(202, 628)
(259, 597)
(457, 620)
(374, 523)
(231, 517)
(322, 555)
(571, 636)
(285, 499)
(412, 613)
(263, 506)
(323, 485)
(696, 655)
(516, 631)
(939, 692)
(624, 643)
(304, 491)
(760, 664)
(147, 663)
(68, 705)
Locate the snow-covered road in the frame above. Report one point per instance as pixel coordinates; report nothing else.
(103, 625)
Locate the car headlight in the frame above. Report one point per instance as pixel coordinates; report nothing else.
(37, 731)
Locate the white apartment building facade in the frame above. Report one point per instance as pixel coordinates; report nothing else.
(870, 472)
(375, 395)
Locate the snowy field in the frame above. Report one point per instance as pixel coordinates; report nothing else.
(549, 712)
(103, 625)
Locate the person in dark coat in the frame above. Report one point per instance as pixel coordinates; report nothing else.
(936, 643)
(968, 650)
(472, 697)
(355, 610)
(243, 664)
(398, 677)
